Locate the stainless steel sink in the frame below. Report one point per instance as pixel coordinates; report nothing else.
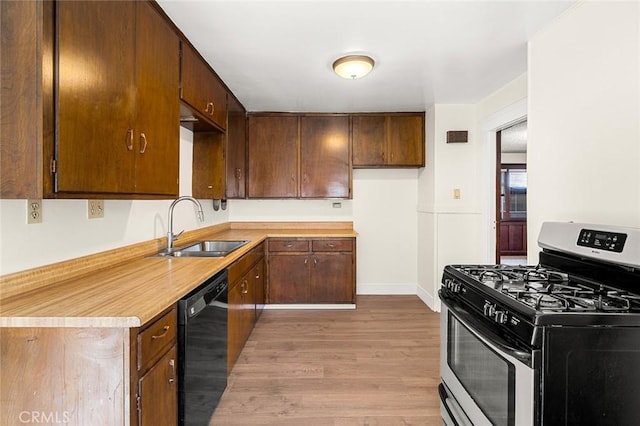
(210, 248)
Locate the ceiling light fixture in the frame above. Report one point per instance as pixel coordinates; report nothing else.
(353, 66)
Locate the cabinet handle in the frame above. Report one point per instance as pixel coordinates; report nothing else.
(143, 143)
(172, 364)
(306, 260)
(165, 330)
(289, 245)
(258, 277)
(315, 261)
(130, 140)
(210, 108)
(245, 290)
(330, 245)
(213, 108)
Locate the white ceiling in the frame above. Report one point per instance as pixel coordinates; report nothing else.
(277, 55)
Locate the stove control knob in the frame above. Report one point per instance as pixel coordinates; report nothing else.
(489, 309)
(500, 317)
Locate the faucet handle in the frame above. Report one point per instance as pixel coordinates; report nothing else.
(175, 236)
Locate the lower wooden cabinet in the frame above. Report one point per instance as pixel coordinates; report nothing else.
(155, 377)
(243, 298)
(90, 375)
(317, 270)
(158, 401)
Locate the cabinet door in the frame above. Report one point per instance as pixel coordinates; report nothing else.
(241, 317)
(96, 96)
(257, 274)
(324, 149)
(406, 140)
(273, 156)
(208, 172)
(369, 140)
(201, 88)
(236, 149)
(289, 278)
(158, 392)
(332, 278)
(157, 130)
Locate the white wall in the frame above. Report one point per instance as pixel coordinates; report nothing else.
(584, 114)
(383, 211)
(449, 228)
(65, 231)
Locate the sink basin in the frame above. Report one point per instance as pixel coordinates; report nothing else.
(211, 248)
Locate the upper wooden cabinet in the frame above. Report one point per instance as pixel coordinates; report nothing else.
(236, 151)
(273, 156)
(388, 140)
(103, 78)
(208, 169)
(118, 112)
(325, 170)
(201, 89)
(299, 156)
(26, 130)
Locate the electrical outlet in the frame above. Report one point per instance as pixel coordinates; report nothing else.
(95, 209)
(34, 211)
(456, 193)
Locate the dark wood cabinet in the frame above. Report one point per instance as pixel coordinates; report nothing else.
(117, 109)
(158, 392)
(157, 106)
(26, 106)
(242, 301)
(299, 156)
(208, 167)
(155, 373)
(319, 270)
(325, 169)
(236, 167)
(114, 117)
(259, 286)
(289, 278)
(388, 139)
(273, 156)
(201, 89)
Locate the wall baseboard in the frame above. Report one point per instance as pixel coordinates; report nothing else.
(373, 288)
(310, 306)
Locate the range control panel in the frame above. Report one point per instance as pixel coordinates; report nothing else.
(603, 240)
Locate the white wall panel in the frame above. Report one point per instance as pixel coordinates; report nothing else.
(584, 115)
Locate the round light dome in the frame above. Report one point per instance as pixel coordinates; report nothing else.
(353, 66)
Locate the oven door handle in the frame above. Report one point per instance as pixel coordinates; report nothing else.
(484, 332)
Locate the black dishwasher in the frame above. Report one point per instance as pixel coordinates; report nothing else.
(202, 350)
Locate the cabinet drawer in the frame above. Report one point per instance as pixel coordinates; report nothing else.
(242, 265)
(333, 245)
(288, 245)
(156, 339)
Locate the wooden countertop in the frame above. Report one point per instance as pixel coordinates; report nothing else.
(129, 286)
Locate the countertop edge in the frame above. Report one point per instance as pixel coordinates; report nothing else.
(170, 274)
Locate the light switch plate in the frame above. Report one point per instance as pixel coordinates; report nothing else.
(95, 209)
(34, 211)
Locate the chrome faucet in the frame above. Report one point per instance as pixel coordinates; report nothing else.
(171, 237)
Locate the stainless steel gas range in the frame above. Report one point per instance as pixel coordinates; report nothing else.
(552, 344)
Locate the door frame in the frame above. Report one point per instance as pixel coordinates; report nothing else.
(501, 119)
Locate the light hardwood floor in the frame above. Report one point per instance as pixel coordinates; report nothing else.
(377, 365)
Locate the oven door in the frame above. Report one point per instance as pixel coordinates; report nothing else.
(486, 381)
